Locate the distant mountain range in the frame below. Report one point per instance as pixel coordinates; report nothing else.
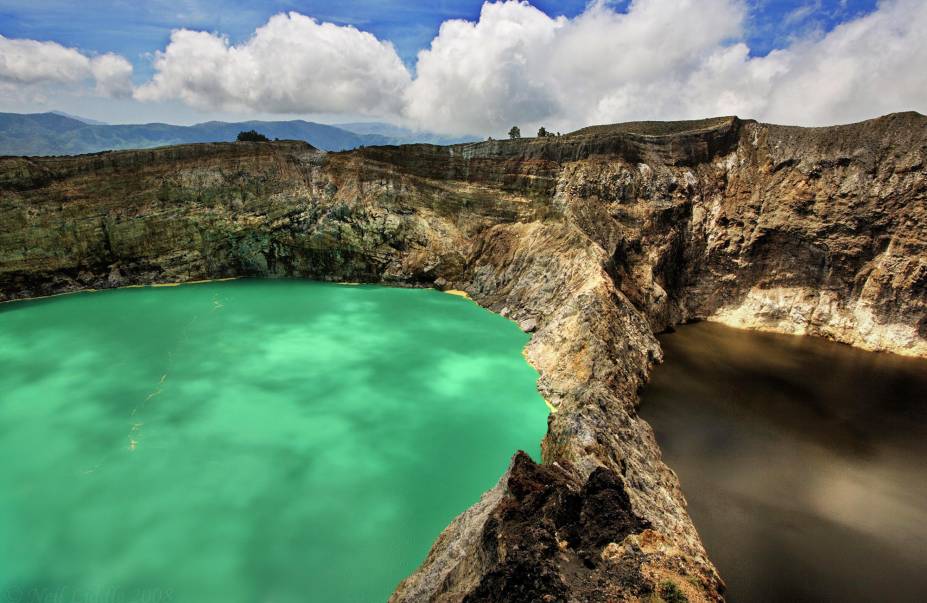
(58, 133)
(400, 135)
(86, 120)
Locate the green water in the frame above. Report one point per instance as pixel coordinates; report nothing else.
(253, 441)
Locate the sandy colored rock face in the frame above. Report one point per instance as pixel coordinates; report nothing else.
(592, 241)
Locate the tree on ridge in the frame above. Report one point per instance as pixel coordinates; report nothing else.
(252, 136)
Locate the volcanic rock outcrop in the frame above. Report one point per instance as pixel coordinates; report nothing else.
(592, 241)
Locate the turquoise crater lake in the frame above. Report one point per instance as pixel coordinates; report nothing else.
(249, 440)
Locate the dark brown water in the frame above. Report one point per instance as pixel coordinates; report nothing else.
(804, 462)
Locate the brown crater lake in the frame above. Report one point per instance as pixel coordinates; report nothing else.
(804, 462)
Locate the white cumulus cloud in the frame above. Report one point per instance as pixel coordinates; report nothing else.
(481, 76)
(863, 68)
(516, 65)
(292, 64)
(33, 63)
(662, 59)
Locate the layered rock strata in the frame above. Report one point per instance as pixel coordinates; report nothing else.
(592, 241)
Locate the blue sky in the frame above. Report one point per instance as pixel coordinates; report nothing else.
(137, 30)
(134, 28)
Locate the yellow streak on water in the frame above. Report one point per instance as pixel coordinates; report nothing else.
(22, 299)
(199, 282)
(214, 280)
(136, 430)
(524, 354)
(458, 293)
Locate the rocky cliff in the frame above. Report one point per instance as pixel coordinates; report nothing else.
(592, 241)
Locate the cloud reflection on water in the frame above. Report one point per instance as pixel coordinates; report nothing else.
(803, 462)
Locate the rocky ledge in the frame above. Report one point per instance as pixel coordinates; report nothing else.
(592, 241)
